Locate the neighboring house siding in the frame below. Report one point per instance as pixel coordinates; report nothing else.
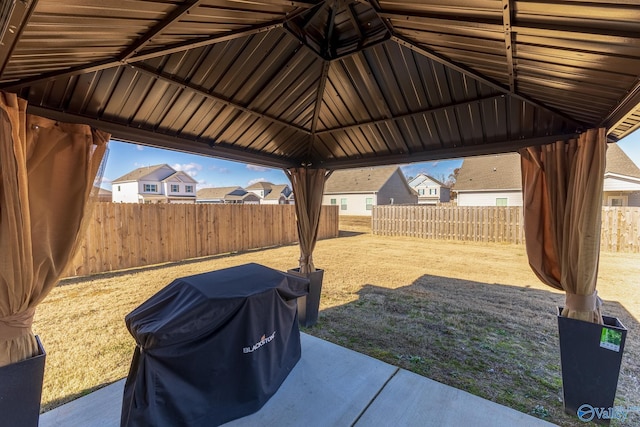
(259, 193)
(125, 192)
(621, 184)
(489, 198)
(142, 187)
(182, 188)
(356, 203)
(445, 194)
(154, 184)
(429, 191)
(621, 198)
(280, 201)
(397, 189)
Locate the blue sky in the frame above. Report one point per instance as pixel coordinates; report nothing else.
(212, 172)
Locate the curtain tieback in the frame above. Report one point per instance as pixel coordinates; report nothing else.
(17, 325)
(575, 302)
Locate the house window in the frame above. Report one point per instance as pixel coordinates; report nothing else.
(151, 188)
(421, 192)
(343, 204)
(175, 188)
(616, 201)
(433, 191)
(369, 203)
(501, 201)
(118, 188)
(334, 202)
(188, 188)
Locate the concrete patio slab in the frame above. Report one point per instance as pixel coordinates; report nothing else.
(330, 386)
(409, 399)
(98, 409)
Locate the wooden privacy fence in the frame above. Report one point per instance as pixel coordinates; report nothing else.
(126, 235)
(620, 229)
(501, 224)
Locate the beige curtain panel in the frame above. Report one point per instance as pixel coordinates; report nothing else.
(308, 188)
(562, 190)
(47, 172)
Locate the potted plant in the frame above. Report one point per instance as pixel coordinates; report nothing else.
(21, 390)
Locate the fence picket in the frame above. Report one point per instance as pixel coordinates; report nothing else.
(123, 235)
(620, 225)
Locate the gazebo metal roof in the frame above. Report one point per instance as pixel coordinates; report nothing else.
(334, 83)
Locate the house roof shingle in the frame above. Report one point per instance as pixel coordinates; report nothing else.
(363, 180)
(260, 185)
(184, 177)
(502, 171)
(495, 172)
(139, 173)
(421, 177)
(276, 192)
(219, 192)
(619, 163)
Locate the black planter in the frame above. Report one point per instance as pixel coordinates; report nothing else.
(309, 305)
(21, 390)
(590, 356)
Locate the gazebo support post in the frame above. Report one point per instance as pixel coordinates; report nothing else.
(308, 188)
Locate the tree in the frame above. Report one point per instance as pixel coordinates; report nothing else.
(451, 180)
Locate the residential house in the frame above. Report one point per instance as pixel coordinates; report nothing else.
(493, 180)
(279, 195)
(430, 190)
(621, 179)
(154, 184)
(271, 194)
(358, 190)
(237, 195)
(260, 188)
(497, 181)
(102, 194)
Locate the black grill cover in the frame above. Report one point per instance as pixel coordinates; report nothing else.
(212, 347)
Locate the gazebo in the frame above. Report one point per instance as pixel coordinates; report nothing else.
(310, 86)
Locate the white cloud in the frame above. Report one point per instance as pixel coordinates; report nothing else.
(203, 183)
(104, 182)
(218, 169)
(190, 169)
(139, 147)
(253, 181)
(257, 168)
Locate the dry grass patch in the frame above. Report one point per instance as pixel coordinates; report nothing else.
(469, 315)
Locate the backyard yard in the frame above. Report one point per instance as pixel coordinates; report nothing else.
(470, 315)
